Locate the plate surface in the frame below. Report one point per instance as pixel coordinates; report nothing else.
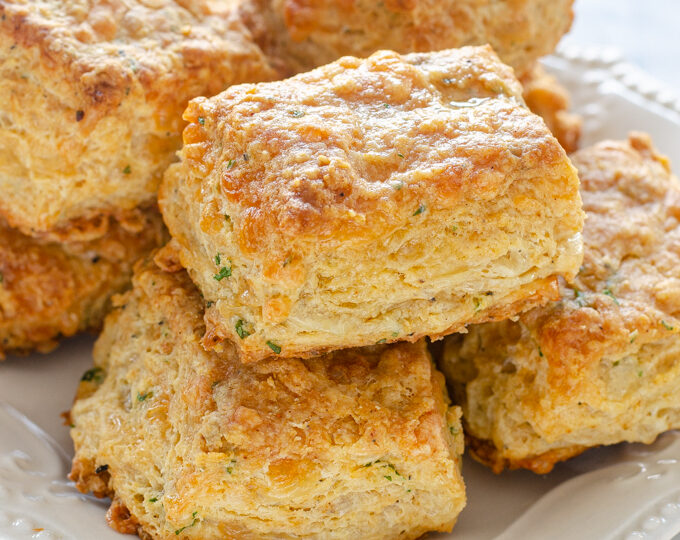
(628, 491)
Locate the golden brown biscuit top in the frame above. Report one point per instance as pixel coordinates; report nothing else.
(351, 150)
(372, 398)
(627, 292)
(105, 48)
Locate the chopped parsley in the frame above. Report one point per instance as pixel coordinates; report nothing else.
(242, 332)
(609, 293)
(153, 499)
(453, 430)
(616, 363)
(386, 105)
(127, 170)
(95, 374)
(227, 217)
(395, 334)
(540, 352)
(454, 228)
(297, 114)
(383, 340)
(142, 397)
(224, 272)
(640, 373)
(273, 346)
(633, 335)
(420, 210)
(231, 163)
(400, 155)
(667, 326)
(230, 467)
(195, 520)
(201, 120)
(218, 259)
(388, 477)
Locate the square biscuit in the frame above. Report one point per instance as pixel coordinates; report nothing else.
(303, 35)
(91, 96)
(357, 444)
(602, 365)
(371, 201)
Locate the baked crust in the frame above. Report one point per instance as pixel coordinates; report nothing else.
(52, 288)
(304, 34)
(358, 444)
(91, 96)
(601, 365)
(320, 196)
(546, 97)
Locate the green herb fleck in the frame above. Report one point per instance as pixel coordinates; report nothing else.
(274, 347)
(388, 477)
(540, 352)
(453, 430)
(395, 334)
(218, 259)
(230, 467)
(609, 293)
(383, 340)
(478, 304)
(127, 170)
(297, 114)
(454, 228)
(142, 397)
(242, 332)
(420, 210)
(640, 373)
(667, 326)
(616, 363)
(153, 499)
(580, 298)
(400, 155)
(201, 120)
(224, 272)
(386, 105)
(231, 163)
(95, 374)
(633, 335)
(195, 520)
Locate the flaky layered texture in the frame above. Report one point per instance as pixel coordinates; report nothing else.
(54, 287)
(304, 34)
(358, 444)
(602, 365)
(91, 96)
(371, 201)
(546, 97)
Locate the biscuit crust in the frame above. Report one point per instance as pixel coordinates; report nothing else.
(305, 210)
(602, 365)
(304, 34)
(55, 287)
(91, 96)
(358, 444)
(546, 97)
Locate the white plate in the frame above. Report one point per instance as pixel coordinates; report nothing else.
(627, 491)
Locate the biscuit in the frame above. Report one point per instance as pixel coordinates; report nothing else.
(371, 201)
(303, 34)
(53, 287)
(602, 365)
(357, 444)
(91, 96)
(546, 97)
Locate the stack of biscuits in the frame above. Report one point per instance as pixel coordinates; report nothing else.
(268, 375)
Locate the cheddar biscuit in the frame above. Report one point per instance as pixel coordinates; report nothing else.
(370, 201)
(91, 96)
(52, 287)
(357, 444)
(602, 365)
(546, 97)
(303, 34)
